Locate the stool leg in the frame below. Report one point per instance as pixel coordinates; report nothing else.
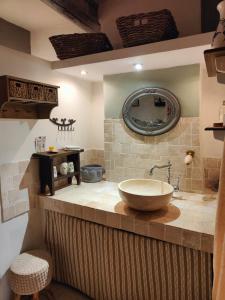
(36, 296)
(17, 297)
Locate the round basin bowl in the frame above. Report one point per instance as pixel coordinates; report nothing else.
(145, 194)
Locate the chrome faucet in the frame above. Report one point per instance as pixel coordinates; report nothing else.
(168, 166)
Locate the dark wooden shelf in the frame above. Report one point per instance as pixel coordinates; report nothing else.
(210, 59)
(218, 132)
(215, 63)
(30, 101)
(25, 99)
(48, 160)
(215, 128)
(69, 175)
(56, 154)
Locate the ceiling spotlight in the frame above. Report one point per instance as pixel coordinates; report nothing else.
(83, 72)
(138, 67)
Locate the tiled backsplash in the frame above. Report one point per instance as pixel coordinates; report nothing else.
(92, 156)
(129, 155)
(211, 167)
(19, 188)
(126, 155)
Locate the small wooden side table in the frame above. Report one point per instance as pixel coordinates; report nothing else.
(46, 162)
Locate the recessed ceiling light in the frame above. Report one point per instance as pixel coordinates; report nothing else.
(83, 72)
(138, 67)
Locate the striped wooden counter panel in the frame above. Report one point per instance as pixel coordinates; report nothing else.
(111, 264)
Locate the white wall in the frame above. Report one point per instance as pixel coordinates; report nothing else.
(40, 44)
(97, 116)
(212, 95)
(186, 13)
(17, 141)
(41, 20)
(75, 101)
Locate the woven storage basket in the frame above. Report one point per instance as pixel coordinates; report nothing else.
(147, 28)
(73, 45)
(36, 92)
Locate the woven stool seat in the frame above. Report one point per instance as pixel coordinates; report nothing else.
(30, 272)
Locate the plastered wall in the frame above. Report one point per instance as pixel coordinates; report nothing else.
(211, 98)
(183, 82)
(14, 37)
(17, 143)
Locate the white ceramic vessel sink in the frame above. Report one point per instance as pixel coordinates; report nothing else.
(145, 194)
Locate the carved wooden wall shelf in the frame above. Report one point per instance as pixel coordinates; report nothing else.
(26, 99)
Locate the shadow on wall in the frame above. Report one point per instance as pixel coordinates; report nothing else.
(21, 228)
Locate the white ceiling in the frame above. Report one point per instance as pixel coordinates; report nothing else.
(32, 14)
(41, 20)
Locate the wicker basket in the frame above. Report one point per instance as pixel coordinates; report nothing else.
(147, 28)
(35, 92)
(18, 89)
(73, 45)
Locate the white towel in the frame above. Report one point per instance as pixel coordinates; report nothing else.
(219, 240)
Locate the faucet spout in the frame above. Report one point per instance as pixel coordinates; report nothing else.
(169, 165)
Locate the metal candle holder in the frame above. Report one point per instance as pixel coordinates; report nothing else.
(64, 125)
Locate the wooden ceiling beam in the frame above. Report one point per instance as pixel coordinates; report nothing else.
(82, 12)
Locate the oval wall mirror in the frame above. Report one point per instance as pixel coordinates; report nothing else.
(151, 111)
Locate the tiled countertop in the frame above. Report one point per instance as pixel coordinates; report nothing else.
(189, 220)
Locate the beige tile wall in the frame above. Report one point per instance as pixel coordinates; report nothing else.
(20, 183)
(129, 155)
(211, 167)
(19, 188)
(92, 156)
(126, 155)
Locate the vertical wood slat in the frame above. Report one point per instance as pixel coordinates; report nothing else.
(111, 264)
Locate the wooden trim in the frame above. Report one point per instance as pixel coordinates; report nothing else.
(36, 296)
(79, 11)
(30, 81)
(213, 60)
(215, 129)
(209, 15)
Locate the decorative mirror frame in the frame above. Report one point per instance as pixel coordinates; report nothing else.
(175, 111)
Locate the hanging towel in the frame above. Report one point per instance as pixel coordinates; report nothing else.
(219, 241)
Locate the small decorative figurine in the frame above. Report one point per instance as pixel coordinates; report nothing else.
(219, 36)
(70, 167)
(63, 168)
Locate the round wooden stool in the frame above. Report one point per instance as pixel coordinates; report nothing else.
(30, 273)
